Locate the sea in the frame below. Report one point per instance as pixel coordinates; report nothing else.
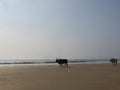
(31, 62)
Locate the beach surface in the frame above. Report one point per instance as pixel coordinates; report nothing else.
(76, 77)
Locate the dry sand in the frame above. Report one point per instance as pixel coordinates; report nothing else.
(77, 77)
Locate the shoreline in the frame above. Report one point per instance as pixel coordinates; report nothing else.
(50, 64)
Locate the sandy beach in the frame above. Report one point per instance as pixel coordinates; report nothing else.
(76, 77)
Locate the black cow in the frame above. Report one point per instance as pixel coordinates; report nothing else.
(114, 61)
(62, 62)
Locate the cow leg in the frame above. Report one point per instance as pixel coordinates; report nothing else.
(66, 65)
(60, 66)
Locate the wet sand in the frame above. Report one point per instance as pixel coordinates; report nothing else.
(77, 77)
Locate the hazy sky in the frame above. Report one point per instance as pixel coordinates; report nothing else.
(59, 28)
